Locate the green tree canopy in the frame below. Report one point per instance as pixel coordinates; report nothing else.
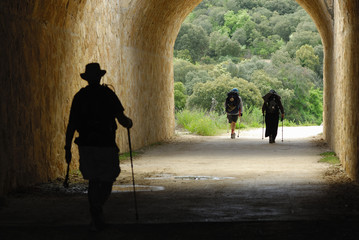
(218, 89)
(306, 57)
(194, 77)
(180, 96)
(193, 38)
(222, 45)
(264, 82)
(181, 68)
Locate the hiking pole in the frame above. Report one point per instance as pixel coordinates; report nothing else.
(133, 175)
(263, 127)
(66, 182)
(239, 126)
(282, 129)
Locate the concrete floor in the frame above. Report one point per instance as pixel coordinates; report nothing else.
(203, 188)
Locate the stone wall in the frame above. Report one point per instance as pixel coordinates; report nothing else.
(346, 72)
(338, 24)
(45, 45)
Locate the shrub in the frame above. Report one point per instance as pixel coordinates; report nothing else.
(201, 122)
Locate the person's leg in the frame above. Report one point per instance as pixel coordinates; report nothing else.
(275, 127)
(94, 200)
(98, 193)
(233, 127)
(269, 127)
(234, 119)
(106, 189)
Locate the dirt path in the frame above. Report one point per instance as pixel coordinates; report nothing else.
(208, 181)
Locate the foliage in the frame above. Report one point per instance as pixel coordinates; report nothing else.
(329, 157)
(181, 68)
(222, 45)
(193, 38)
(180, 96)
(218, 89)
(306, 57)
(183, 54)
(265, 82)
(200, 122)
(265, 47)
(194, 77)
(254, 45)
(252, 117)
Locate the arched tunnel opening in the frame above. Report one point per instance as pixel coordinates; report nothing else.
(219, 48)
(45, 45)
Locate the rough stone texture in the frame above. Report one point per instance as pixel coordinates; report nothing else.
(338, 24)
(346, 68)
(45, 44)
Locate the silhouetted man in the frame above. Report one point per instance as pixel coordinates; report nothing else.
(271, 106)
(93, 113)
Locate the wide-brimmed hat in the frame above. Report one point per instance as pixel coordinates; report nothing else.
(92, 69)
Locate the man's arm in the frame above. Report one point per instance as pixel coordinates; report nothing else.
(70, 131)
(263, 108)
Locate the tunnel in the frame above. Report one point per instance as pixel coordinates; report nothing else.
(45, 45)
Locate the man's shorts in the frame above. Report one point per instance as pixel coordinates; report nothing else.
(232, 118)
(99, 163)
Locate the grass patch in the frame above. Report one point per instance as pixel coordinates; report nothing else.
(329, 157)
(126, 155)
(210, 123)
(200, 122)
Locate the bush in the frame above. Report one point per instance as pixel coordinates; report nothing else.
(200, 122)
(252, 117)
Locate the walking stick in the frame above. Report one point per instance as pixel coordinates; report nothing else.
(133, 176)
(282, 129)
(263, 127)
(239, 126)
(66, 182)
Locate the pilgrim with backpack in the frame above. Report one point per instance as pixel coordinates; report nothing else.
(271, 107)
(234, 109)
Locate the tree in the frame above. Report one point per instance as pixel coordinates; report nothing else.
(298, 39)
(307, 58)
(281, 57)
(240, 36)
(218, 89)
(205, 22)
(264, 47)
(193, 38)
(284, 25)
(249, 4)
(181, 68)
(234, 21)
(194, 77)
(180, 96)
(316, 105)
(264, 82)
(221, 45)
(216, 15)
(231, 68)
(183, 54)
(281, 6)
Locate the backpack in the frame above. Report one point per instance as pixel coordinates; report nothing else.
(272, 105)
(232, 102)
